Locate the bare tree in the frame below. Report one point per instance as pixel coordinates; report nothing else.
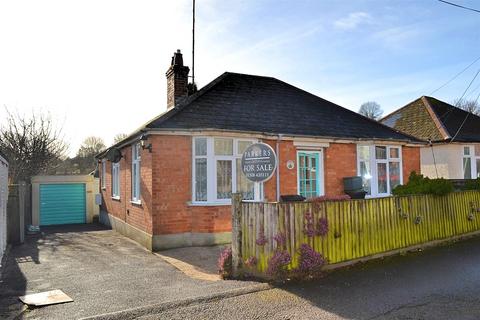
(119, 137)
(85, 160)
(472, 106)
(91, 146)
(32, 143)
(371, 110)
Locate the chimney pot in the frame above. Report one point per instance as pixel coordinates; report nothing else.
(177, 80)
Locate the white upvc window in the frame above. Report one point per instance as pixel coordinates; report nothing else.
(216, 171)
(471, 162)
(136, 164)
(104, 173)
(380, 168)
(116, 180)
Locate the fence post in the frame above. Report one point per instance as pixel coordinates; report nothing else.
(236, 233)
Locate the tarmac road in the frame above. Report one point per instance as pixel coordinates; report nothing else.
(440, 283)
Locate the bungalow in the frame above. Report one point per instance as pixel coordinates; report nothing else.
(169, 184)
(454, 136)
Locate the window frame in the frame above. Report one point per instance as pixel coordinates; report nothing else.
(116, 180)
(320, 185)
(104, 174)
(373, 161)
(136, 195)
(212, 159)
(474, 170)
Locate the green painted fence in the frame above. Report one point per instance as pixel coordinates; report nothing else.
(356, 228)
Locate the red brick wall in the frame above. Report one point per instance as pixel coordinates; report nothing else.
(411, 161)
(167, 182)
(137, 215)
(340, 160)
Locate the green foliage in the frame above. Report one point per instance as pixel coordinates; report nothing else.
(472, 184)
(418, 184)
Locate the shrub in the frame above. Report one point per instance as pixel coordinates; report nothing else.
(308, 229)
(418, 184)
(261, 240)
(322, 227)
(310, 261)
(251, 262)
(281, 239)
(225, 263)
(472, 184)
(277, 264)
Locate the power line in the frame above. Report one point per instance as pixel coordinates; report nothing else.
(455, 77)
(445, 115)
(459, 6)
(464, 121)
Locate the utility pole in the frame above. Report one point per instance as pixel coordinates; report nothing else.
(193, 45)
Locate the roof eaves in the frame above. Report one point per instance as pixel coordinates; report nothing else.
(412, 139)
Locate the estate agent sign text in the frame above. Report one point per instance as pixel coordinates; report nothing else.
(259, 162)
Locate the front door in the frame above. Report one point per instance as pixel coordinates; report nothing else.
(310, 173)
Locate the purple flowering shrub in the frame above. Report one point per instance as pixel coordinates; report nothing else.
(281, 239)
(308, 228)
(277, 264)
(224, 263)
(322, 227)
(251, 262)
(310, 261)
(261, 240)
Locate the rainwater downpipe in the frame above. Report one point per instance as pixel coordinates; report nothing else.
(278, 166)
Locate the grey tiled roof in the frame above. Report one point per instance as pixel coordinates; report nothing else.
(240, 102)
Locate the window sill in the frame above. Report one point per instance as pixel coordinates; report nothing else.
(208, 204)
(136, 202)
(213, 204)
(116, 198)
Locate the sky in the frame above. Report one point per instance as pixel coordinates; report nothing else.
(98, 67)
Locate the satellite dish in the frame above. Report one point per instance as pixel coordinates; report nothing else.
(114, 155)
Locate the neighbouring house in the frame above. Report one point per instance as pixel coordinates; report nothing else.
(454, 136)
(169, 184)
(3, 203)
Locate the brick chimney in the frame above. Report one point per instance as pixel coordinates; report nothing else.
(177, 80)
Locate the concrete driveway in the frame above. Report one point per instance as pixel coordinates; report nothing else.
(101, 270)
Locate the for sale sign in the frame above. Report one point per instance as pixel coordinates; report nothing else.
(259, 162)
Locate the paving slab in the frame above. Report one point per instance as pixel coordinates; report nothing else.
(101, 270)
(190, 259)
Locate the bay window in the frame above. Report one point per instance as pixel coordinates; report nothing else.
(471, 162)
(380, 168)
(217, 171)
(116, 180)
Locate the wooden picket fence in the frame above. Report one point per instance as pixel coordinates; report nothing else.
(356, 228)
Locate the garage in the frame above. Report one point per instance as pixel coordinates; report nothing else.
(58, 200)
(62, 204)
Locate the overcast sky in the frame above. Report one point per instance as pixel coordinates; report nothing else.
(99, 66)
